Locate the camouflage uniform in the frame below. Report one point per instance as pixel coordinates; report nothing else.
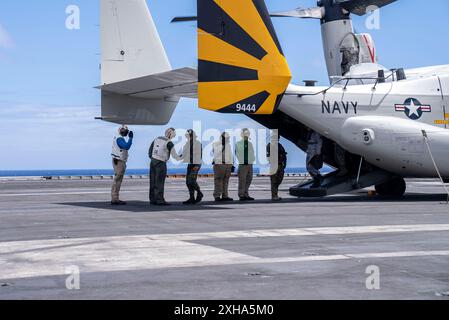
(314, 158)
(277, 168)
(349, 58)
(192, 156)
(340, 159)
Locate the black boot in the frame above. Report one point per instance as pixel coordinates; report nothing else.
(191, 199)
(317, 182)
(199, 197)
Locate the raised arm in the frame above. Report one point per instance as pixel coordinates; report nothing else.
(173, 153)
(123, 144)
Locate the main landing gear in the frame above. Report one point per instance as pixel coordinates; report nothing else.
(392, 188)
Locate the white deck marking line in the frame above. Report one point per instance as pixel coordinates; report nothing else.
(400, 254)
(303, 232)
(24, 259)
(148, 255)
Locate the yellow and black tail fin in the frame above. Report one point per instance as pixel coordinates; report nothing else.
(241, 66)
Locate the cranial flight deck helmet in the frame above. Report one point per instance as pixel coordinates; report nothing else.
(190, 134)
(123, 131)
(170, 133)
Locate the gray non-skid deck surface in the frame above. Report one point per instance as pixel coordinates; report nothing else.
(297, 249)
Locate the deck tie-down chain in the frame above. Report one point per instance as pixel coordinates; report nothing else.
(426, 139)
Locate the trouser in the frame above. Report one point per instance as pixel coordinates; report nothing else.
(158, 174)
(119, 172)
(276, 181)
(192, 178)
(222, 174)
(245, 179)
(311, 165)
(340, 157)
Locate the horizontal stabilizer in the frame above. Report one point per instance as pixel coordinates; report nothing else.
(122, 109)
(179, 83)
(148, 100)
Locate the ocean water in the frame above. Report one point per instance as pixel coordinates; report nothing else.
(99, 172)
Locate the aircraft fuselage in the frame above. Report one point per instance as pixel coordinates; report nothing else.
(390, 115)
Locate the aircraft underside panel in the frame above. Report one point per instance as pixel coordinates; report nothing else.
(333, 184)
(297, 133)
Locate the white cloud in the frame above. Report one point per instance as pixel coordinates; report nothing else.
(5, 39)
(46, 137)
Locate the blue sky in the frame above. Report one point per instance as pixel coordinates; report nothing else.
(47, 73)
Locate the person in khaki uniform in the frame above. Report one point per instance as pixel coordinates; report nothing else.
(223, 167)
(120, 148)
(244, 151)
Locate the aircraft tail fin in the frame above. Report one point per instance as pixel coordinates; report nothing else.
(241, 65)
(132, 57)
(130, 43)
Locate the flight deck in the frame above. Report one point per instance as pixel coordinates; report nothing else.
(326, 248)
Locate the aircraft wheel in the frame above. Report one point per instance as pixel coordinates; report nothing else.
(393, 188)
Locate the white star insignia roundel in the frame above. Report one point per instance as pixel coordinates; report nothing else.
(413, 109)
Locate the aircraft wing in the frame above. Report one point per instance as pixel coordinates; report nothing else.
(181, 83)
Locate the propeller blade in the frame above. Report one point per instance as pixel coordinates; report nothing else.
(184, 19)
(360, 7)
(310, 13)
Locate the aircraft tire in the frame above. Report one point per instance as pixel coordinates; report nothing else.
(393, 188)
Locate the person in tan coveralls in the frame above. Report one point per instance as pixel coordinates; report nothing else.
(120, 148)
(223, 167)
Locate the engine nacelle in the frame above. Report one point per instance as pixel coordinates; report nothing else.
(397, 145)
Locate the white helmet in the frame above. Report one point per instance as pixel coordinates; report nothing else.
(190, 134)
(170, 133)
(274, 136)
(123, 131)
(246, 133)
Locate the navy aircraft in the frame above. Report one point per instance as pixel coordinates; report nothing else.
(391, 123)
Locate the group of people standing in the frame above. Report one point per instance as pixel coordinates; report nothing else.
(162, 149)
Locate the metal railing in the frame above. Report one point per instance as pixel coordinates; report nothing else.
(348, 79)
